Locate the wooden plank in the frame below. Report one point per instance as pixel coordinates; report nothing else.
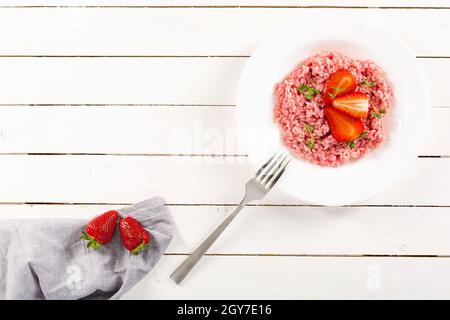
(300, 278)
(191, 31)
(145, 130)
(191, 180)
(267, 230)
(146, 80)
(123, 81)
(119, 129)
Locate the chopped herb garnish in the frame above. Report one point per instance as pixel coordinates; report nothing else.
(336, 91)
(309, 128)
(303, 88)
(368, 83)
(363, 135)
(308, 91)
(352, 144)
(310, 143)
(378, 113)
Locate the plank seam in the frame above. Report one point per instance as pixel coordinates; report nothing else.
(196, 155)
(135, 105)
(112, 105)
(219, 7)
(53, 203)
(186, 155)
(307, 255)
(121, 56)
(212, 155)
(159, 56)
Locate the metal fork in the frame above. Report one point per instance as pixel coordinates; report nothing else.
(255, 189)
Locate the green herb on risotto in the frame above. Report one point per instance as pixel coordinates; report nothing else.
(368, 83)
(352, 144)
(308, 91)
(309, 128)
(363, 135)
(378, 113)
(310, 143)
(336, 91)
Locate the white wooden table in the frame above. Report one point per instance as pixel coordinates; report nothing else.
(107, 102)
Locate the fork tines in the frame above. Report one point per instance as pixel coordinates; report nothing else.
(272, 170)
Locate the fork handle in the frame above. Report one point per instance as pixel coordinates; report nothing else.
(184, 269)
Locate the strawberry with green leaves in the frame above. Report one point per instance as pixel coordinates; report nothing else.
(100, 230)
(134, 237)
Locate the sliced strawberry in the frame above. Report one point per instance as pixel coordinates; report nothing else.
(354, 104)
(343, 127)
(339, 84)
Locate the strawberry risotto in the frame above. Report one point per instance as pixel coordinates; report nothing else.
(331, 108)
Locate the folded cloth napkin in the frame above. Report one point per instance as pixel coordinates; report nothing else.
(45, 258)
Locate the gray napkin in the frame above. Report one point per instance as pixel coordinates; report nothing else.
(45, 258)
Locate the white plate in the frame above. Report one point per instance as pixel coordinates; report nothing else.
(407, 123)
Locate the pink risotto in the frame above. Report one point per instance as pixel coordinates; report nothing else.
(300, 105)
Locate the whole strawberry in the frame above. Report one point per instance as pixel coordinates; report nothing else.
(134, 237)
(100, 230)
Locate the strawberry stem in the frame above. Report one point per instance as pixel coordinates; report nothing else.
(139, 248)
(92, 243)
